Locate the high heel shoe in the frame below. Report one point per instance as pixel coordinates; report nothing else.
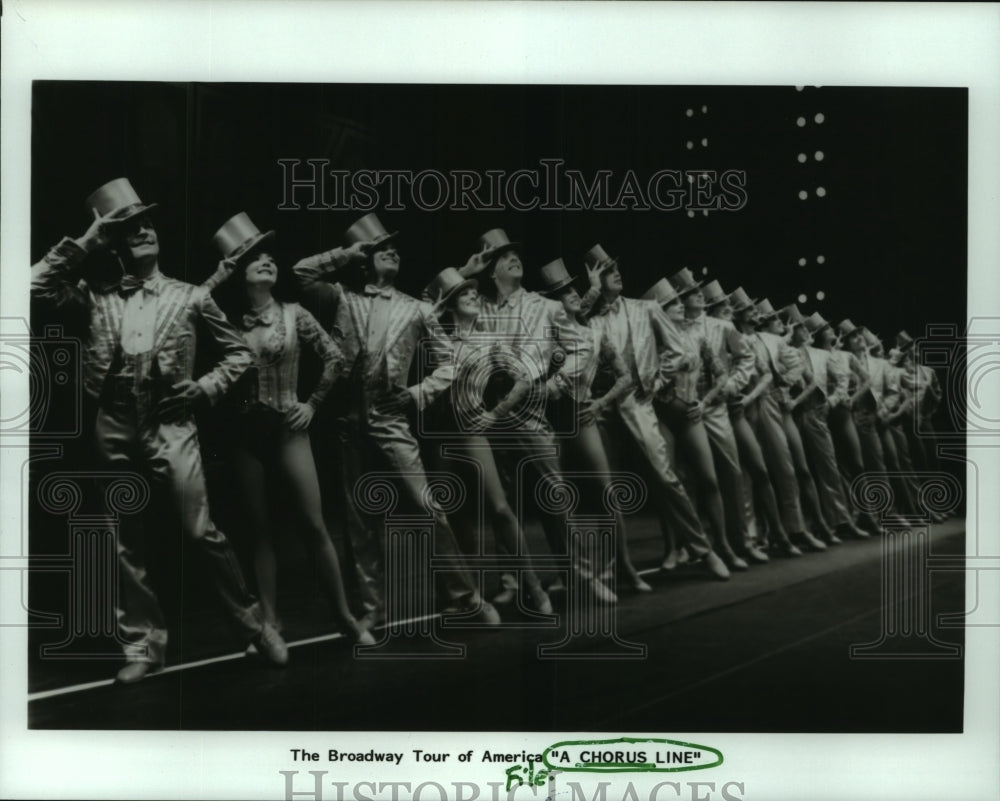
(357, 633)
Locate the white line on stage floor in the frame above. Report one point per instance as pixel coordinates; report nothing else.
(93, 685)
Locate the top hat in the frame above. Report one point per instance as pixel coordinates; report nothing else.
(740, 300)
(793, 317)
(238, 236)
(847, 328)
(662, 292)
(498, 243)
(871, 340)
(448, 283)
(765, 311)
(683, 281)
(714, 294)
(597, 256)
(119, 199)
(368, 229)
(555, 276)
(815, 323)
(904, 341)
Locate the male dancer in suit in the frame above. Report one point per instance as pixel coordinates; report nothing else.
(379, 330)
(535, 329)
(638, 330)
(812, 419)
(138, 367)
(731, 352)
(757, 482)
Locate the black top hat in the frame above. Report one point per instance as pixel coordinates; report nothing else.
(904, 341)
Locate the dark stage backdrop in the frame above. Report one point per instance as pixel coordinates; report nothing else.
(886, 245)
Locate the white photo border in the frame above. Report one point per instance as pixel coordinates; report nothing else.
(925, 44)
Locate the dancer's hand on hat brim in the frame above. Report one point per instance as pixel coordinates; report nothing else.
(477, 262)
(97, 235)
(594, 275)
(359, 251)
(438, 305)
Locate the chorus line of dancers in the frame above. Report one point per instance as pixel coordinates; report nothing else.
(748, 422)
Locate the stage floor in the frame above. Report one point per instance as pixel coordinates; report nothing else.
(768, 651)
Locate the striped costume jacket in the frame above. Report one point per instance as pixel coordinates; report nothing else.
(730, 352)
(344, 313)
(56, 279)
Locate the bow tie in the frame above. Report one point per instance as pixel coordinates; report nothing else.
(614, 306)
(130, 284)
(372, 291)
(265, 318)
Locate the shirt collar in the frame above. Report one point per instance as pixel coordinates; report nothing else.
(513, 298)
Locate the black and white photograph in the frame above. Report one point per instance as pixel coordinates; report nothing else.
(521, 437)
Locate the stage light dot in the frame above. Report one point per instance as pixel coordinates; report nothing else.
(821, 259)
(704, 212)
(799, 88)
(690, 213)
(704, 109)
(820, 295)
(690, 112)
(690, 144)
(820, 191)
(818, 155)
(704, 142)
(803, 194)
(802, 158)
(802, 298)
(801, 122)
(704, 270)
(802, 262)
(819, 118)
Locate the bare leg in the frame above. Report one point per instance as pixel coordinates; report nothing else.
(295, 461)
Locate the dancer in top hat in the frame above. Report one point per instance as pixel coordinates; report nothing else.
(461, 411)
(679, 406)
(920, 384)
(811, 413)
(756, 478)
(536, 329)
(765, 406)
(731, 353)
(271, 429)
(843, 384)
(585, 450)
(870, 416)
(138, 367)
(640, 333)
(379, 330)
